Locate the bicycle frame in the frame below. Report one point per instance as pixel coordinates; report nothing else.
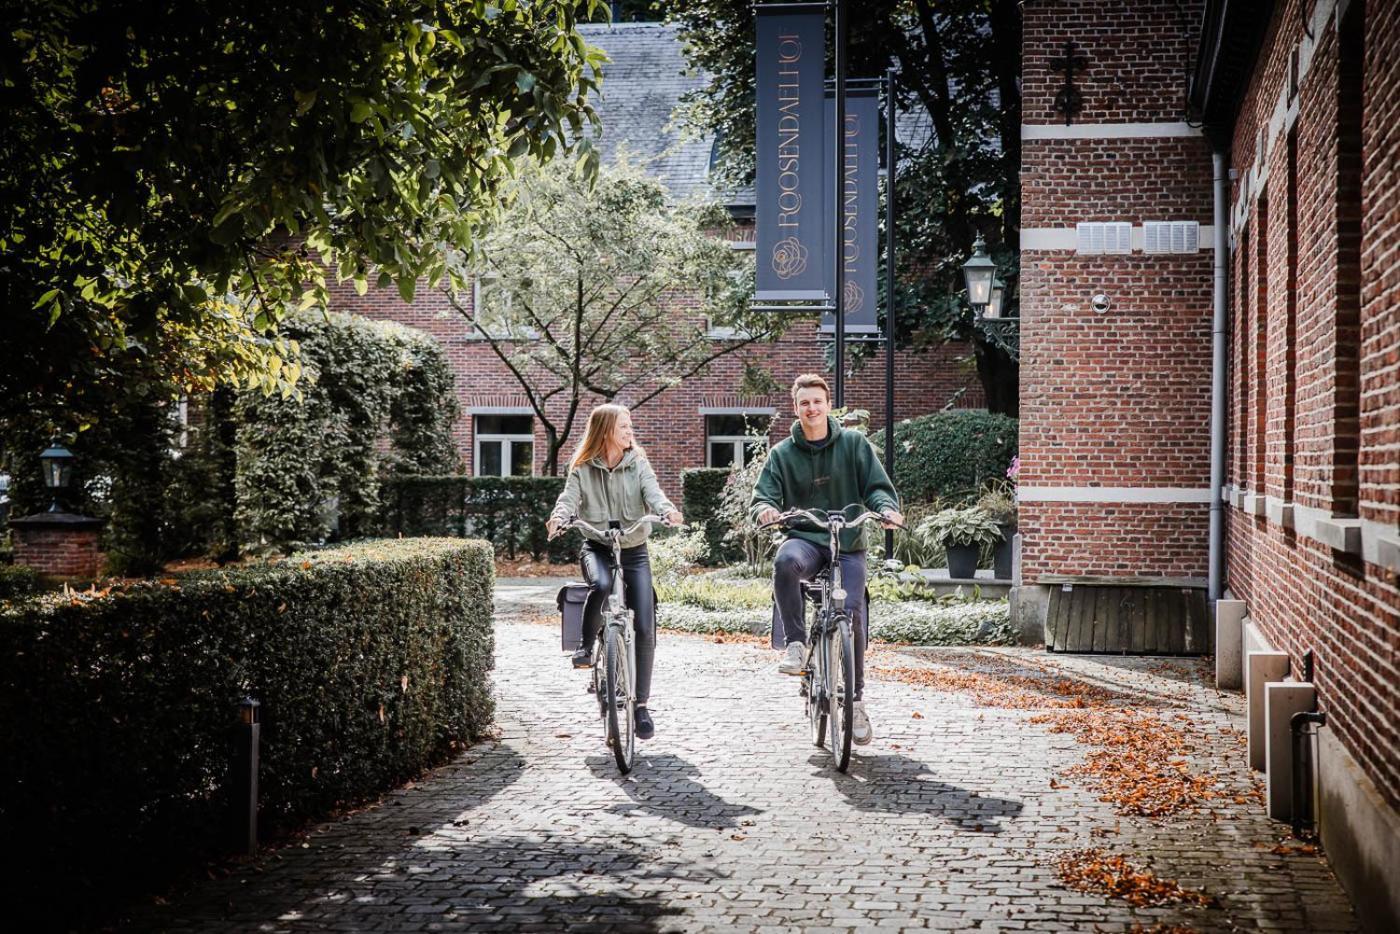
(826, 635)
(616, 622)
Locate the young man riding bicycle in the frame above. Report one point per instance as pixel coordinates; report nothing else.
(822, 467)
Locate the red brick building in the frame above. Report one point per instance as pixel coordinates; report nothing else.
(1212, 197)
(694, 424)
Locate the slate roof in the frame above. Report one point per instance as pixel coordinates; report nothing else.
(642, 86)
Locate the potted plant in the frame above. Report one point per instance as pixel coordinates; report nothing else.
(999, 502)
(961, 533)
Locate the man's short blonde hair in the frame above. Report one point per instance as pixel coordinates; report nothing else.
(809, 380)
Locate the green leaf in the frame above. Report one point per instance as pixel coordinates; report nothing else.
(360, 111)
(305, 100)
(406, 286)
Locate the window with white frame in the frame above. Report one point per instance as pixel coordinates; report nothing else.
(727, 436)
(505, 445)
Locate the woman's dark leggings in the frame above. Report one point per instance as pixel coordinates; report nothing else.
(596, 561)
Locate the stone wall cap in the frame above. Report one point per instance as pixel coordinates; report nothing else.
(57, 520)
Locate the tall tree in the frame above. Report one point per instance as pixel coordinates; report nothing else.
(959, 75)
(174, 175)
(580, 284)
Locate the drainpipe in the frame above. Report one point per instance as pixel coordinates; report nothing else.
(1219, 345)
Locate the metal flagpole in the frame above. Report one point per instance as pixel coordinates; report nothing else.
(889, 290)
(839, 189)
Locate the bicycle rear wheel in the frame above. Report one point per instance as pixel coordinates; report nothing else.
(841, 687)
(620, 713)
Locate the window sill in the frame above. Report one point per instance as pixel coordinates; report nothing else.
(1340, 534)
(1280, 513)
(1388, 552)
(476, 338)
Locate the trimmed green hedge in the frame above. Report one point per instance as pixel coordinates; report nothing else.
(509, 512)
(17, 581)
(371, 663)
(701, 490)
(949, 455)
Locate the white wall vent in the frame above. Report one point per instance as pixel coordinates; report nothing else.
(1171, 237)
(1104, 237)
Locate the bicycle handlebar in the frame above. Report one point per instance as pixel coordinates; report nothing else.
(574, 522)
(826, 520)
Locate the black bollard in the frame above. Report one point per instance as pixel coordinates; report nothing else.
(243, 778)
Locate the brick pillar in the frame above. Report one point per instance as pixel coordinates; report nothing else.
(58, 544)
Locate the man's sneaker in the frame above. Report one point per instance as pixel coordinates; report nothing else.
(792, 662)
(645, 728)
(582, 657)
(861, 733)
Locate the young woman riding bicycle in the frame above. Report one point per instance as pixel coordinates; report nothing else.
(610, 480)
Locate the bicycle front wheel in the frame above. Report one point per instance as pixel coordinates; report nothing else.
(816, 703)
(841, 683)
(620, 703)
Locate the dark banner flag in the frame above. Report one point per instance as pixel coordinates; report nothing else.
(860, 201)
(791, 187)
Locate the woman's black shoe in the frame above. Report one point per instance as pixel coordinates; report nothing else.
(645, 728)
(582, 658)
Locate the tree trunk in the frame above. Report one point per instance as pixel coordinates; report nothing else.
(552, 445)
(1005, 19)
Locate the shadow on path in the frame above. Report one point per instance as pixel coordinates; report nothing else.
(665, 785)
(893, 784)
(416, 863)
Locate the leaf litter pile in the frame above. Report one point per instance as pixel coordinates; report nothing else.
(1137, 761)
(1097, 872)
(1003, 684)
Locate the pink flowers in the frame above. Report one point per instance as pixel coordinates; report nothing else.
(1014, 469)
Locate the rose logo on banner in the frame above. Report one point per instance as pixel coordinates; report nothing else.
(789, 258)
(853, 297)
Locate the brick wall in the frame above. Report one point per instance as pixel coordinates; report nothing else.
(1315, 362)
(671, 426)
(61, 552)
(1138, 54)
(1120, 399)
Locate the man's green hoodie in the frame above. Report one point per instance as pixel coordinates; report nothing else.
(822, 476)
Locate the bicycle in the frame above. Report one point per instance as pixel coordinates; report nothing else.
(828, 686)
(614, 650)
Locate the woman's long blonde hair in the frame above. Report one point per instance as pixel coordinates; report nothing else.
(601, 422)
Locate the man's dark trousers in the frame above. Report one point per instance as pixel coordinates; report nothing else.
(800, 560)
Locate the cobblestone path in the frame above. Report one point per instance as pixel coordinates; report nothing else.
(952, 819)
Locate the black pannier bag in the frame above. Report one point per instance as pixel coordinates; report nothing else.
(570, 601)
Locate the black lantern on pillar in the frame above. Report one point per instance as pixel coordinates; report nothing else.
(58, 470)
(979, 271)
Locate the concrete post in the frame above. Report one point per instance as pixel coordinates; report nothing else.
(1281, 701)
(1260, 668)
(1229, 644)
